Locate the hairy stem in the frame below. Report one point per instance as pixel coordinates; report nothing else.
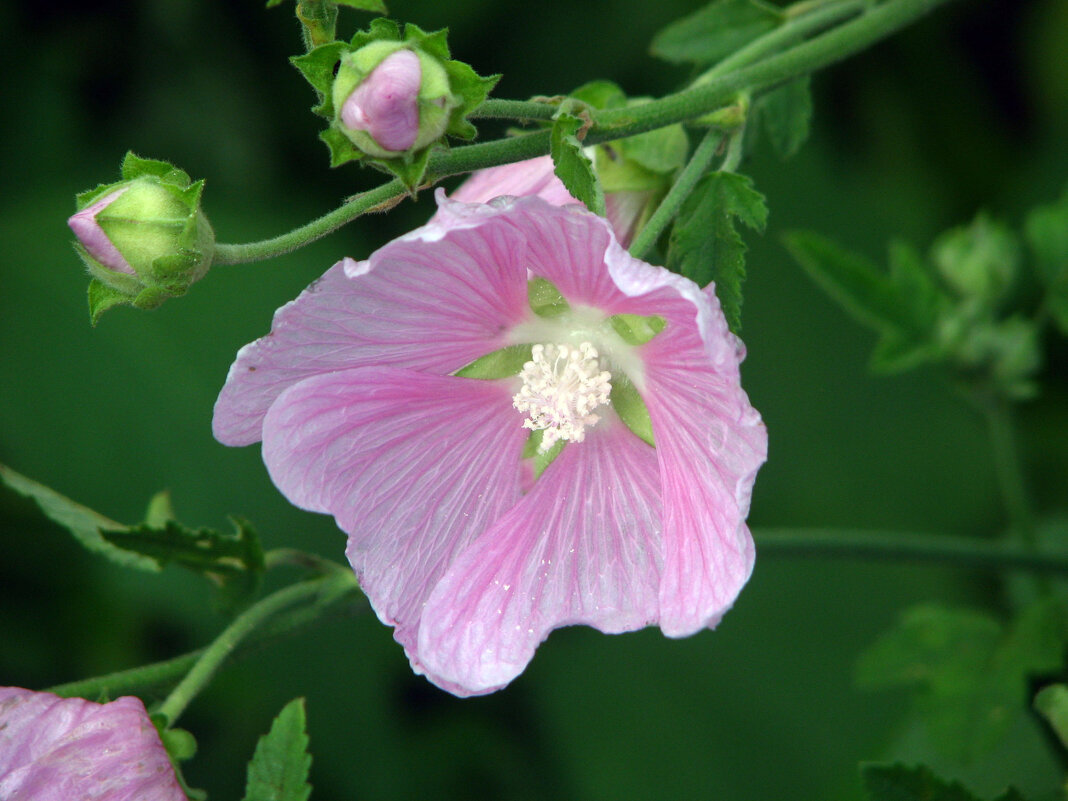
(676, 196)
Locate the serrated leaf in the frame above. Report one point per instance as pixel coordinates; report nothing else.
(1046, 229)
(969, 673)
(571, 165)
(900, 783)
(704, 244)
(234, 562)
(856, 284)
(101, 298)
(317, 67)
(279, 767)
(84, 523)
(786, 114)
(715, 31)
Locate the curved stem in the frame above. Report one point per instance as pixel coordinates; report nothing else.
(676, 196)
(243, 625)
(379, 198)
(903, 547)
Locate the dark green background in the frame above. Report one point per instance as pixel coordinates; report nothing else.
(967, 110)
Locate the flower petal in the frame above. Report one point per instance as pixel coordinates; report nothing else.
(413, 466)
(582, 547)
(710, 442)
(58, 749)
(521, 179)
(407, 306)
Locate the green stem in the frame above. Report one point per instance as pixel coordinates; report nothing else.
(820, 51)
(902, 547)
(676, 196)
(379, 198)
(132, 680)
(243, 625)
(801, 21)
(514, 110)
(1009, 470)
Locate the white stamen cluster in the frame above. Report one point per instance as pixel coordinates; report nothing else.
(562, 386)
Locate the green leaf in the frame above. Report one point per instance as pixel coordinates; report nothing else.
(856, 284)
(409, 170)
(1046, 230)
(1052, 703)
(102, 297)
(786, 113)
(704, 245)
(234, 562)
(979, 260)
(900, 783)
(969, 673)
(279, 767)
(85, 524)
(600, 95)
(317, 67)
(499, 364)
(571, 165)
(717, 30)
(542, 459)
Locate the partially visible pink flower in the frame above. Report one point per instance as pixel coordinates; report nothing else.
(70, 749)
(457, 545)
(92, 236)
(386, 103)
(535, 177)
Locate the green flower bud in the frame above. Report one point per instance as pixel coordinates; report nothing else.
(144, 238)
(978, 261)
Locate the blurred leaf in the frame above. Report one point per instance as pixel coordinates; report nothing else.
(376, 6)
(1052, 703)
(571, 165)
(852, 281)
(786, 113)
(279, 767)
(85, 524)
(1046, 229)
(979, 260)
(715, 31)
(900, 783)
(969, 673)
(234, 562)
(704, 245)
(600, 94)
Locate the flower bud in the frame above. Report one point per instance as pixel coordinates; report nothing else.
(143, 239)
(391, 99)
(978, 261)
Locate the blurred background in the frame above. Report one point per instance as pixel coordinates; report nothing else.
(965, 111)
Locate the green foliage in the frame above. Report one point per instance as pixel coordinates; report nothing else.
(85, 524)
(785, 114)
(902, 306)
(978, 261)
(901, 783)
(1052, 703)
(1046, 231)
(571, 165)
(704, 244)
(279, 767)
(501, 363)
(715, 31)
(233, 562)
(969, 672)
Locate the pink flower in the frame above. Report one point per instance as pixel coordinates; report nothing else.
(92, 237)
(457, 545)
(624, 209)
(386, 104)
(62, 749)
